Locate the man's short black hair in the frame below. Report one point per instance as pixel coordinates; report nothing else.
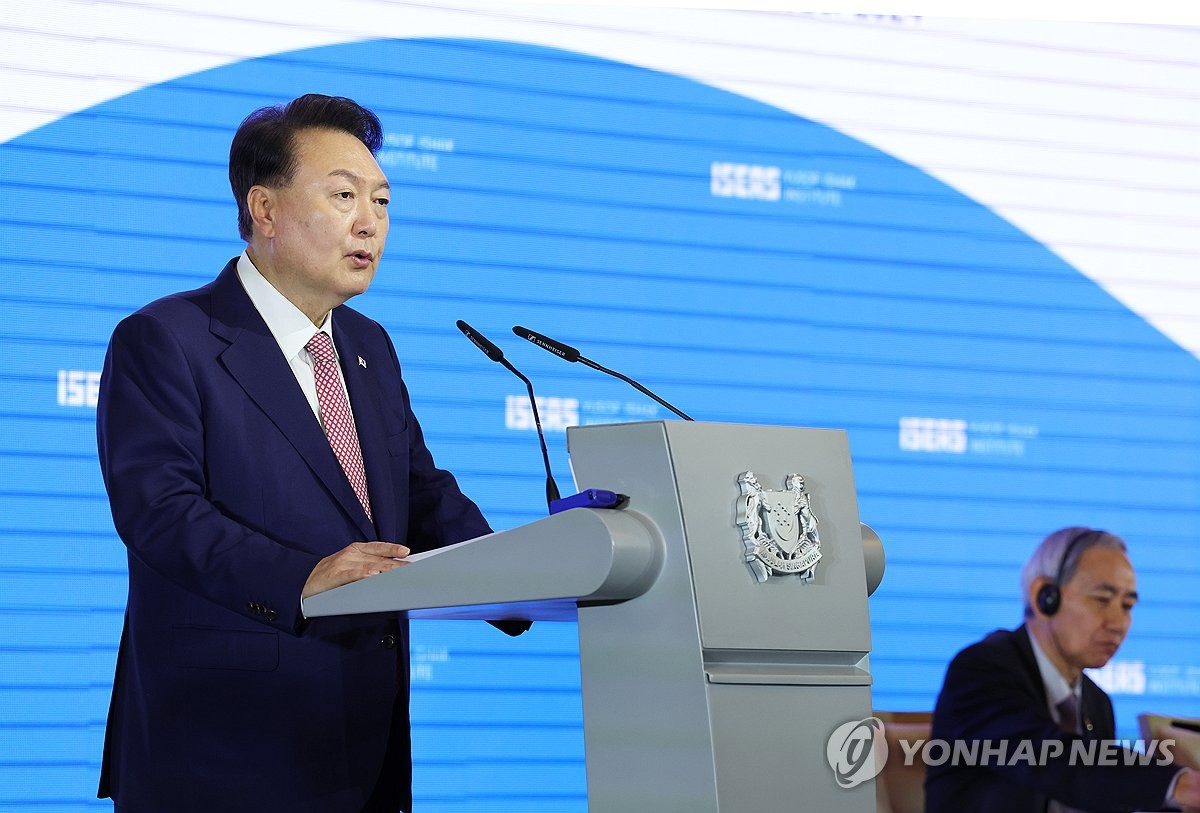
(263, 150)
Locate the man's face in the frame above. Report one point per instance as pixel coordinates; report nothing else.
(1096, 610)
(323, 234)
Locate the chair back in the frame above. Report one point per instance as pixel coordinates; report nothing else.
(1185, 731)
(900, 788)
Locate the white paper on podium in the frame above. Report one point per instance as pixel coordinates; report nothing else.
(416, 557)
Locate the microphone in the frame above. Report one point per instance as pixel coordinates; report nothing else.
(568, 353)
(495, 354)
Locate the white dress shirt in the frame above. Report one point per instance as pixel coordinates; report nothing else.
(290, 327)
(1057, 688)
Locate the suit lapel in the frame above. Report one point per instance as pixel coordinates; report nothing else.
(359, 370)
(254, 360)
(1029, 663)
(1097, 718)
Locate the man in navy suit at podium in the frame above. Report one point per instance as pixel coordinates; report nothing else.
(1026, 688)
(258, 446)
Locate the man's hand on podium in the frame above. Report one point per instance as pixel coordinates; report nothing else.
(353, 562)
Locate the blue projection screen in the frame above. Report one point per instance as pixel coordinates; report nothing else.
(965, 243)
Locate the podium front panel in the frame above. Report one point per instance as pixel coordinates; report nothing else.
(828, 613)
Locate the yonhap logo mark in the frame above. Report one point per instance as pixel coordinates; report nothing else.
(856, 751)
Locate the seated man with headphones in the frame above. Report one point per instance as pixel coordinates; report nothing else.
(1021, 700)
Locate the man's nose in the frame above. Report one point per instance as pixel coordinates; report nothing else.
(1119, 618)
(367, 222)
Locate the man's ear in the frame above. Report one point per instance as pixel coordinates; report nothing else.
(1035, 589)
(260, 204)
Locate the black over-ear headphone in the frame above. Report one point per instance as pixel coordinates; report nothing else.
(1049, 596)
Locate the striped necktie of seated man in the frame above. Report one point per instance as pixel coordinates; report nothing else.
(1068, 714)
(335, 415)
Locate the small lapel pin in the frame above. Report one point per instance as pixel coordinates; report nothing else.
(362, 362)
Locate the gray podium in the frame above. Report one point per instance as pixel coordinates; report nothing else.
(723, 627)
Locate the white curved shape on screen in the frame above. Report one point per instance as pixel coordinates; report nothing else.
(1081, 135)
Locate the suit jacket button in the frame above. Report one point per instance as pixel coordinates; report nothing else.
(271, 615)
(388, 642)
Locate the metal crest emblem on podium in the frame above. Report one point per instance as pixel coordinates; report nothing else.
(779, 529)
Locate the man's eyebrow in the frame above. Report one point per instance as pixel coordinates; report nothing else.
(1113, 590)
(354, 177)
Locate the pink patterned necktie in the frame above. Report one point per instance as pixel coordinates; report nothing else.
(335, 415)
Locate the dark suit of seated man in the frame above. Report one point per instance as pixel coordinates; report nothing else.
(1027, 686)
(258, 446)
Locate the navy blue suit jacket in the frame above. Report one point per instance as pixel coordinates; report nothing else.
(994, 691)
(226, 493)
